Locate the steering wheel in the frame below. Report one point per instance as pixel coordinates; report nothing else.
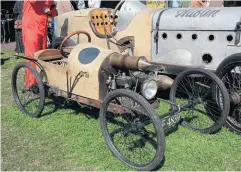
(65, 51)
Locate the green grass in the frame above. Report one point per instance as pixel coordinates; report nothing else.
(68, 140)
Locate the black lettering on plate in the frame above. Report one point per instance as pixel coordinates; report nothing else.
(197, 13)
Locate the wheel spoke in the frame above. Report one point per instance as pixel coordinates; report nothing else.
(29, 100)
(135, 141)
(231, 76)
(200, 85)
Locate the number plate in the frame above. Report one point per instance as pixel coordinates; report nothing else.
(170, 121)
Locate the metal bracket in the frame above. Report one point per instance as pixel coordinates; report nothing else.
(156, 35)
(42, 71)
(27, 58)
(238, 30)
(126, 42)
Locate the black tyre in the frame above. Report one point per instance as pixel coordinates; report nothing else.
(207, 111)
(135, 136)
(230, 73)
(29, 100)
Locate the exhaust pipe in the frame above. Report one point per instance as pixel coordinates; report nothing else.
(164, 82)
(129, 62)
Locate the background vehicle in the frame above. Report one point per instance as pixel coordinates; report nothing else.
(230, 73)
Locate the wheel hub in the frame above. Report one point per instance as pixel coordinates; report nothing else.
(194, 101)
(235, 98)
(132, 128)
(139, 143)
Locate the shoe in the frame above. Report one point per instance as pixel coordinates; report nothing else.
(15, 57)
(34, 88)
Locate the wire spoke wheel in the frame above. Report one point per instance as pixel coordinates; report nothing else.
(29, 100)
(206, 96)
(132, 130)
(232, 81)
(230, 73)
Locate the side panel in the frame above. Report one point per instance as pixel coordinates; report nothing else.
(88, 58)
(200, 37)
(56, 74)
(189, 51)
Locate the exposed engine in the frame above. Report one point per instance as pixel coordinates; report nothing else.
(124, 81)
(132, 75)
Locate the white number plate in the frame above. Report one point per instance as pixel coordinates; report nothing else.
(170, 121)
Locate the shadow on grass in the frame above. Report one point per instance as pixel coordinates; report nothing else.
(89, 112)
(4, 60)
(93, 113)
(58, 104)
(50, 110)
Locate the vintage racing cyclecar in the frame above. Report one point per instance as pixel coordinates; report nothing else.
(126, 83)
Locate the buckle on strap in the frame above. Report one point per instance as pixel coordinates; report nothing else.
(156, 36)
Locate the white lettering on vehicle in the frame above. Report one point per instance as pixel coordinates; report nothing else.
(197, 13)
(171, 120)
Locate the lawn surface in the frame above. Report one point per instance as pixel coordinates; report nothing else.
(66, 139)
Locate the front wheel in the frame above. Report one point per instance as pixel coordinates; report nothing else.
(132, 130)
(29, 100)
(230, 73)
(206, 97)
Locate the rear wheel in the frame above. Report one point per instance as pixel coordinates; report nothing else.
(230, 73)
(29, 100)
(207, 111)
(132, 130)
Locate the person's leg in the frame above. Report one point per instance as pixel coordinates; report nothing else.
(32, 43)
(4, 30)
(17, 42)
(20, 37)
